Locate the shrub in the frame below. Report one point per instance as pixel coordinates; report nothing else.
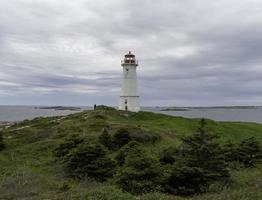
(141, 136)
(106, 139)
(247, 152)
(124, 135)
(140, 173)
(103, 107)
(121, 137)
(70, 143)
(97, 125)
(168, 156)
(186, 180)
(98, 115)
(2, 145)
(89, 160)
(123, 152)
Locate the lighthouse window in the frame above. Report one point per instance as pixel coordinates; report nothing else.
(125, 101)
(127, 70)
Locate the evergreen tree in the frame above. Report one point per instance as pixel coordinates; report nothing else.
(89, 161)
(203, 150)
(2, 145)
(140, 172)
(203, 163)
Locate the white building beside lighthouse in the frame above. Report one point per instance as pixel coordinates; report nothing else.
(129, 99)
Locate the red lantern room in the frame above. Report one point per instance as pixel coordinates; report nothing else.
(129, 59)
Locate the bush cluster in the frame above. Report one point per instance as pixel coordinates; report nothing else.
(188, 169)
(124, 135)
(82, 159)
(89, 160)
(119, 139)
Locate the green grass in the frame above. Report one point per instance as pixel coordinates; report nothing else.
(28, 169)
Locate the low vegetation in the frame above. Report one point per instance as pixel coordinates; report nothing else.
(108, 154)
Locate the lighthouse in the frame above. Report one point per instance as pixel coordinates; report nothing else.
(129, 99)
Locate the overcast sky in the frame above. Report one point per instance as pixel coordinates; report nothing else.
(191, 52)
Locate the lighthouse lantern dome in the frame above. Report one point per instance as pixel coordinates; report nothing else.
(130, 59)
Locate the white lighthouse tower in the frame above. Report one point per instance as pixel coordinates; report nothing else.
(129, 99)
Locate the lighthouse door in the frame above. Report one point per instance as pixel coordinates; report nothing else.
(125, 107)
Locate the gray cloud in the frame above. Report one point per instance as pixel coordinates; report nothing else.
(190, 52)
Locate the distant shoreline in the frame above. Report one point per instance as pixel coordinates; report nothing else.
(71, 108)
(14, 114)
(209, 107)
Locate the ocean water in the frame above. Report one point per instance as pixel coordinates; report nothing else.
(218, 114)
(19, 113)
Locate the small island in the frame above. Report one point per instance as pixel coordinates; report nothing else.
(59, 108)
(176, 109)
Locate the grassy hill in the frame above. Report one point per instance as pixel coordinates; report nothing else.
(28, 169)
